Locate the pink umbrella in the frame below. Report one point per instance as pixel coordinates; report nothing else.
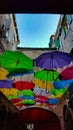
(67, 73)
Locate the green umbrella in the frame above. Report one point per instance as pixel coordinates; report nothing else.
(16, 62)
(26, 92)
(47, 75)
(28, 102)
(12, 96)
(57, 92)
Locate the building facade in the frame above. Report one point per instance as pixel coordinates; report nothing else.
(9, 38)
(64, 33)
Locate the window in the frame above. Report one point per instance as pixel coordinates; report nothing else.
(57, 43)
(63, 32)
(64, 27)
(69, 18)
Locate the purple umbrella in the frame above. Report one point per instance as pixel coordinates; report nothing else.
(6, 84)
(54, 59)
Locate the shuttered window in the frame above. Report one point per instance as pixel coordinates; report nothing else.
(69, 18)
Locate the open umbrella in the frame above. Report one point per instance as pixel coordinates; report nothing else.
(3, 73)
(62, 84)
(16, 62)
(9, 91)
(54, 59)
(6, 84)
(23, 85)
(57, 92)
(40, 91)
(26, 92)
(28, 102)
(67, 73)
(47, 75)
(42, 84)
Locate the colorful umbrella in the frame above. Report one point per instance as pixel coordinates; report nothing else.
(3, 73)
(16, 62)
(9, 91)
(12, 96)
(52, 101)
(6, 84)
(42, 84)
(15, 100)
(40, 91)
(28, 102)
(26, 92)
(57, 92)
(67, 73)
(42, 100)
(26, 97)
(23, 85)
(54, 59)
(62, 84)
(47, 75)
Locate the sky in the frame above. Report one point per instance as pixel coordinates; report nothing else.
(35, 29)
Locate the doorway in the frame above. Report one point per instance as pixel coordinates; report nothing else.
(40, 118)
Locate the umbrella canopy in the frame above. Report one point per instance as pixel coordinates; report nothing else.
(43, 84)
(47, 75)
(3, 73)
(26, 92)
(40, 91)
(16, 62)
(67, 73)
(28, 102)
(23, 85)
(62, 84)
(6, 84)
(53, 101)
(58, 92)
(9, 91)
(54, 59)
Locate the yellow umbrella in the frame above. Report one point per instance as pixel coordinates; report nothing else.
(57, 96)
(9, 91)
(3, 73)
(43, 84)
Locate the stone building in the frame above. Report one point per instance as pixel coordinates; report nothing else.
(63, 111)
(64, 33)
(9, 37)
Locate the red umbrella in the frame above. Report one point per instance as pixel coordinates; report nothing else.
(67, 73)
(23, 85)
(15, 100)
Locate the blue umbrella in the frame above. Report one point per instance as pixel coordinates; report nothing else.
(52, 101)
(62, 83)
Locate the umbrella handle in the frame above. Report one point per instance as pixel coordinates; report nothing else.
(47, 91)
